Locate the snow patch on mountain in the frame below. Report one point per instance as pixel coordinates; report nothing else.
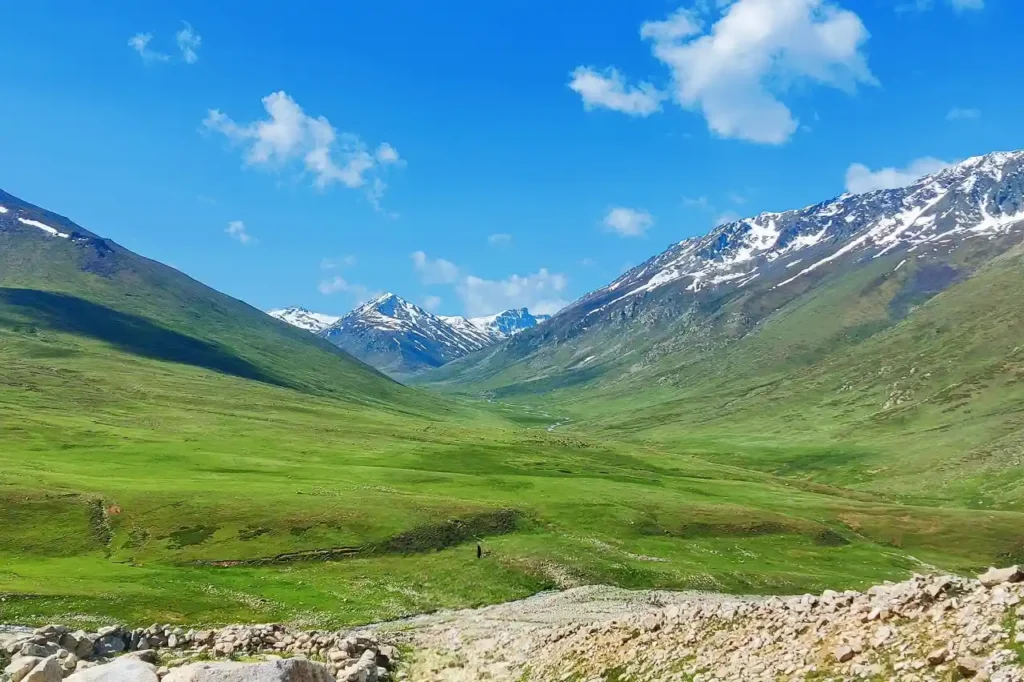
(304, 319)
(53, 232)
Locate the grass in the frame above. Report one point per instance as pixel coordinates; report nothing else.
(115, 512)
(872, 380)
(168, 454)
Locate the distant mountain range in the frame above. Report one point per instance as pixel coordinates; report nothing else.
(400, 338)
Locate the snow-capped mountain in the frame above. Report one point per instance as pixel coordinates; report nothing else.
(504, 325)
(979, 198)
(707, 291)
(304, 319)
(400, 338)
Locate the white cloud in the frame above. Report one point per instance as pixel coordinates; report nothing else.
(140, 43)
(959, 114)
(339, 284)
(288, 134)
(737, 198)
(860, 178)
(236, 229)
(696, 202)
(961, 5)
(727, 217)
(608, 90)
(542, 292)
(188, 43)
(431, 303)
(335, 263)
(387, 155)
(682, 23)
(436, 270)
(628, 222)
(499, 239)
(735, 62)
(588, 262)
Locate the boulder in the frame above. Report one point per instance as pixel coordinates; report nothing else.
(998, 576)
(968, 666)
(21, 667)
(288, 670)
(46, 670)
(843, 654)
(124, 669)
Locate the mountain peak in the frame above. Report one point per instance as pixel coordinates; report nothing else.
(298, 316)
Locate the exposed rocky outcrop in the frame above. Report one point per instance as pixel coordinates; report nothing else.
(926, 629)
(54, 652)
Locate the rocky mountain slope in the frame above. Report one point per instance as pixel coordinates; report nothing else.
(781, 256)
(400, 338)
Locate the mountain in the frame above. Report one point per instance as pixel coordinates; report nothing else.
(59, 278)
(882, 319)
(400, 338)
(506, 324)
(304, 319)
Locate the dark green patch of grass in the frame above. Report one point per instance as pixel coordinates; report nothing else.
(187, 537)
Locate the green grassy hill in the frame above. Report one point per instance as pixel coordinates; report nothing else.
(170, 454)
(902, 381)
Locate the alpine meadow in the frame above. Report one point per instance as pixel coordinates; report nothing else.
(706, 361)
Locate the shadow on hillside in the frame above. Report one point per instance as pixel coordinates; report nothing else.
(130, 333)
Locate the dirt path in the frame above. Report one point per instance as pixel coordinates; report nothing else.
(496, 642)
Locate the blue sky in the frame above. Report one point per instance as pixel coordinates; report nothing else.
(474, 156)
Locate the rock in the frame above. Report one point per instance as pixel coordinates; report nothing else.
(21, 667)
(938, 656)
(387, 656)
(145, 655)
(843, 653)
(51, 632)
(69, 663)
(998, 576)
(85, 665)
(68, 641)
(46, 670)
(968, 666)
(123, 669)
(288, 670)
(109, 645)
(86, 644)
(39, 650)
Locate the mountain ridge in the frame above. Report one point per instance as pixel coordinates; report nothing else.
(401, 338)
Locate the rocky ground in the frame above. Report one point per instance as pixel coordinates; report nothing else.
(929, 628)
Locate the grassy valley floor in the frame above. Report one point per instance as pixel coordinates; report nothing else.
(139, 490)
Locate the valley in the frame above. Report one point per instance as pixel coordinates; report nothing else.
(172, 454)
